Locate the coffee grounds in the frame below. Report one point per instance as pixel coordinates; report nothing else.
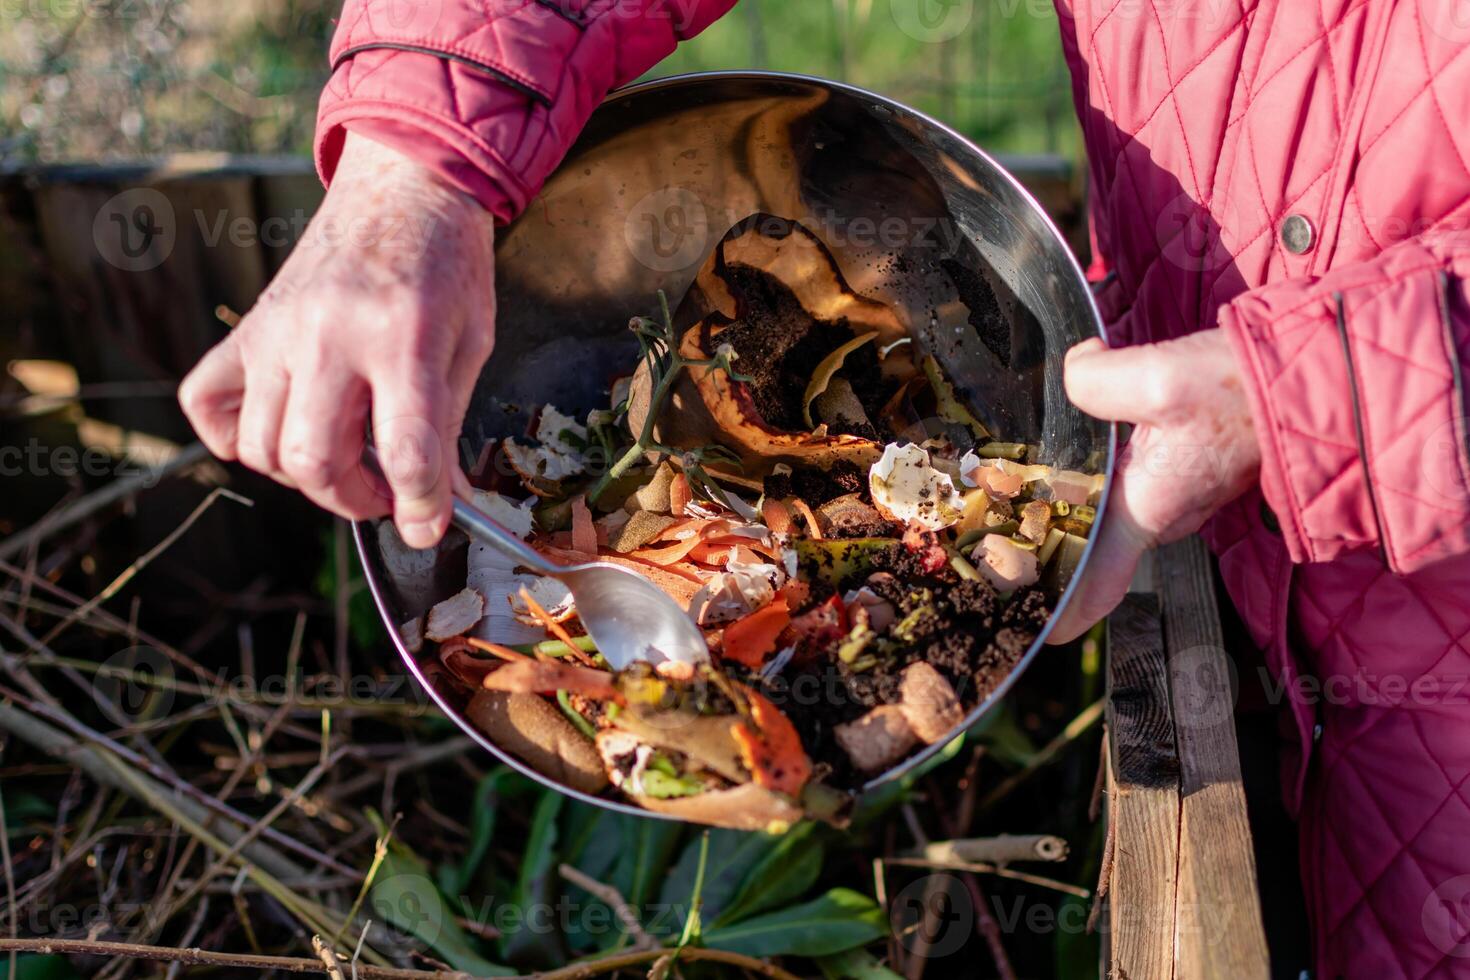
(779, 345)
(815, 486)
(964, 629)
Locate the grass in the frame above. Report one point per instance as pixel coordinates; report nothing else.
(262, 795)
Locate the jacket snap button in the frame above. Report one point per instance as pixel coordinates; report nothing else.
(1297, 234)
(1317, 732)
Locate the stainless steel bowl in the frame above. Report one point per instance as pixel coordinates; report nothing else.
(911, 210)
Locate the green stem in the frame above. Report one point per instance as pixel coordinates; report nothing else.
(645, 438)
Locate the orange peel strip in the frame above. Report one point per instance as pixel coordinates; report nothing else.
(776, 515)
(748, 641)
(813, 528)
(552, 626)
(772, 749)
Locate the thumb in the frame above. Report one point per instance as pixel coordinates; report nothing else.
(416, 449)
(1121, 543)
(1108, 383)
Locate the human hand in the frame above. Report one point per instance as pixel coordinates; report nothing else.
(384, 309)
(1192, 451)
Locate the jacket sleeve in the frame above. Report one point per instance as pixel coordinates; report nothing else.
(489, 93)
(1356, 380)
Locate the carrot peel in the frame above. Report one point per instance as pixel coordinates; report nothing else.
(750, 640)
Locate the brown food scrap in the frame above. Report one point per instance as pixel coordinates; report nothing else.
(584, 532)
(813, 526)
(747, 807)
(549, 676)
(642, 527)
(654, 495)
(535, 732)
(463, 665)
(849, 516)
(1035, 519)
(878, 739)
(783, 288)
(839, 409)
(679, 494)
(412, 634)
(776, 515)
(929, 703)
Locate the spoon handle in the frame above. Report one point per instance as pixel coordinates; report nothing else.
(483, 528)
(480, 526)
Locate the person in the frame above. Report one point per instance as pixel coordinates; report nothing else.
(1279, 197)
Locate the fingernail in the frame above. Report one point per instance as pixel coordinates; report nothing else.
(420, 534)
(1085, 347)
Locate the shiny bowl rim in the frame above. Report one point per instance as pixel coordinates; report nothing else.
(377, 589)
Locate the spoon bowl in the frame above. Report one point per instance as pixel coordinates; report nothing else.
(628, 617)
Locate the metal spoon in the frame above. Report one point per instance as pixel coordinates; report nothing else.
(627, 616)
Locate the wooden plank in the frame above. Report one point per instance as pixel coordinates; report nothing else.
(1218, 927)
(149, 316)
(286, 202)
(140, 295)
(1143, 795)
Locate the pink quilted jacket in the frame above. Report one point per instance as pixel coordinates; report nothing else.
(1296, 172)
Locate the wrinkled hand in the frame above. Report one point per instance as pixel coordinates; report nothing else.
(384, 311)
(1193, 450)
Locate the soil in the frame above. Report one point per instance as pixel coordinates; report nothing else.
(779, 346)
(816, 487)
(964, 629)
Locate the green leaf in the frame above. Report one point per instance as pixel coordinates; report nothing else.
(404, 895)
(857, 964)
(579, 825)
(500, 784)
(31, 967)
(533, 890)
(841, 919)
(733, 854)
(594, 844)
(783, 875)
(647, 848)
(21, 807)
